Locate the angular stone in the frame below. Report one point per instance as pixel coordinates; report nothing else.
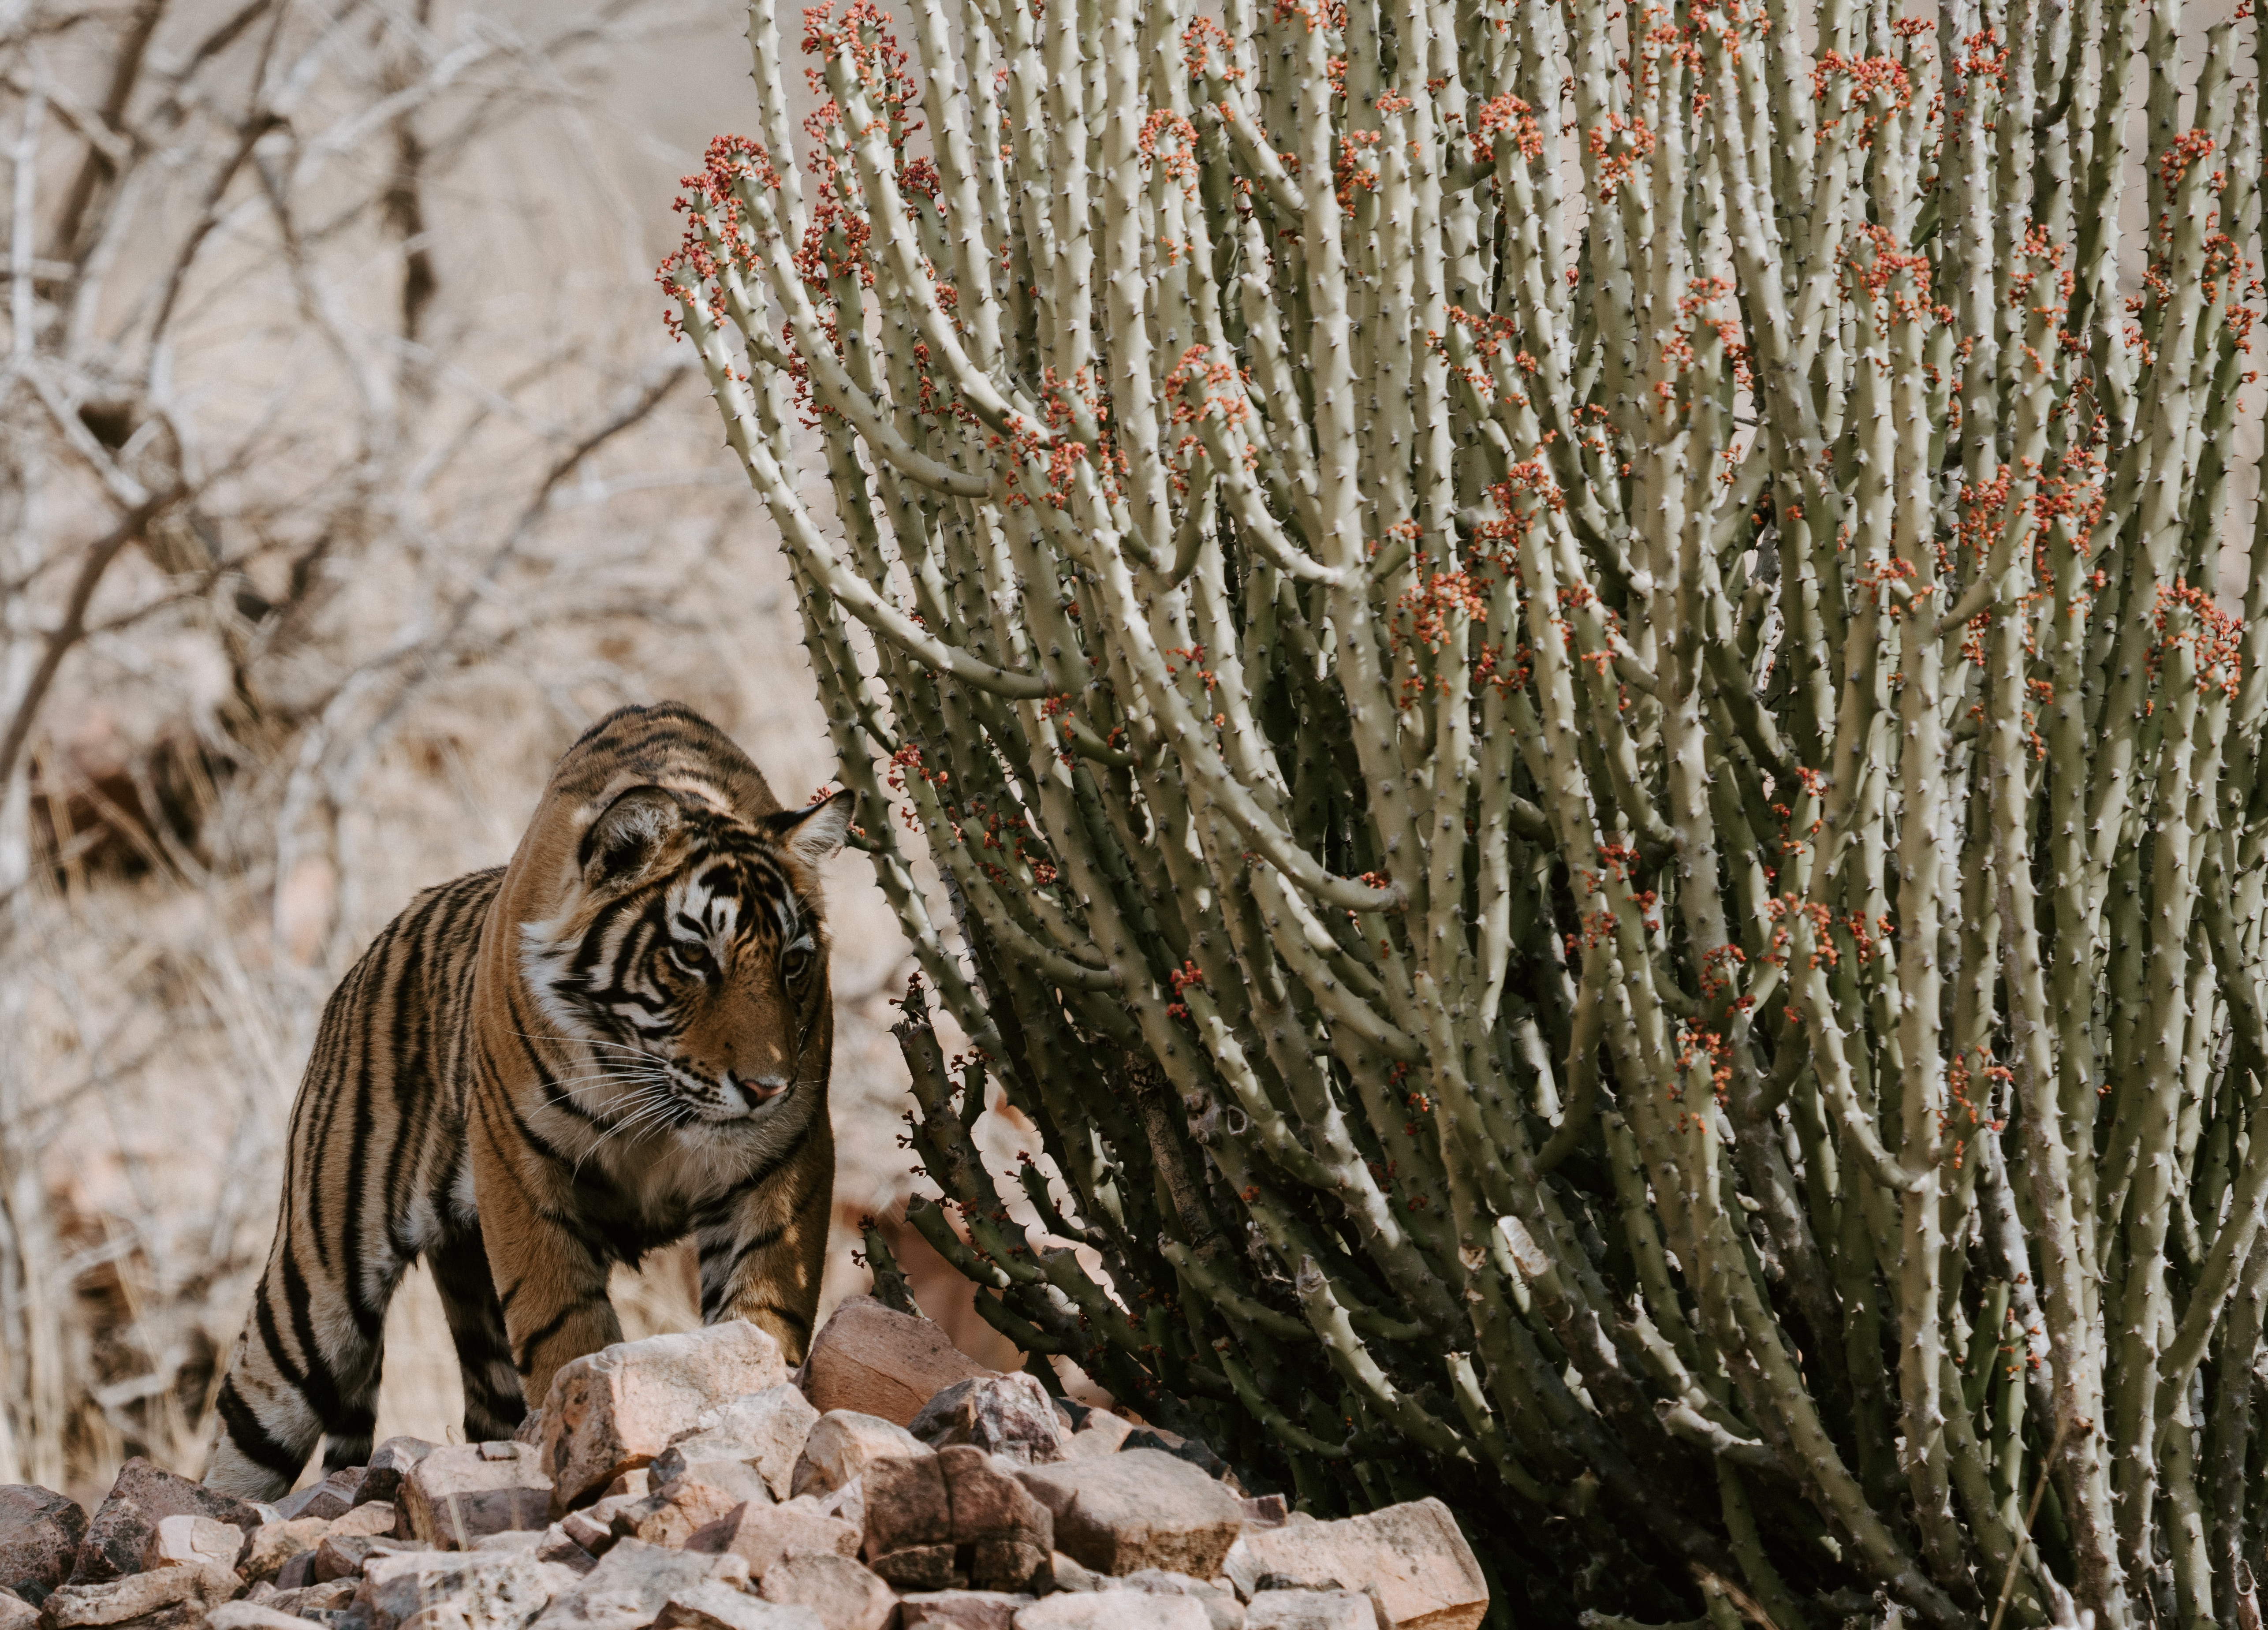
(879, 1362)
(632, 1583)
(917, 1567)
(1410, 1559)
(767, 1429)
(15, 1613)
(1007, 1565)
(587, 1531)
(257, 1616)
(960, 1609)
(1141, 1507)
(168, 1598)
(341, 1556)
(39, 1536)
(1221, 1606)
(1310, 1609)
(376, 1520)
(333, 1497)
(142, 1497)
(179, 1540)
(1101, 1432)
(706, 1494)
(1066, 1575)
(845, 1595)
(556, 1544)
(763, 1534)
(1112, 1610)
(848, 1503)
(298, 1572)
(839, 1448)
(905, 1504)
(500, 1590)
(274, 1544)
(328, 1598)
(456, 1496)
(389, 1463)
(615, 1410)
(1010, 1415)
(1265, 1511)
(989, 1502)
(637, 1483)
(711, 1606)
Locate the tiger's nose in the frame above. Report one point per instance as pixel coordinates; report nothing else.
(758, 1087)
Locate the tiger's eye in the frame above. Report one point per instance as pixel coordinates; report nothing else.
(691, 955)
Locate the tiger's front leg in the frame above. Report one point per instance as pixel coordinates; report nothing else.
(763, 1247)
(550, 1280)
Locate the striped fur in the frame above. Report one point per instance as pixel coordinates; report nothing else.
(622, 1038)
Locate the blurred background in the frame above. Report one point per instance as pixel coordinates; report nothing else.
(346, 473)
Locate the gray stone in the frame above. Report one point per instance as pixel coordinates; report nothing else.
(1410, 1559)
(333, 1497)
(1220, 1605)
(39, 1536)
(142, 1497)
(845, 1595)
(327, 1598)
(457, 1494)
(170, 1596)
(341, 1556)
(257, 1616)
(1010, 1415)
(632, 1583)
(389, 1463)
(763, 1534)
(962, 1610)
(501, 1590)
(766, 1430)
(1139, 1508)
(837, 1449)
(713, 1606)
(1310, 1609)
(1112, 1610)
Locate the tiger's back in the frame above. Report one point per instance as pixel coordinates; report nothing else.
(538, 1071)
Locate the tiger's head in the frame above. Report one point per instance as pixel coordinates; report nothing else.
(688, 952)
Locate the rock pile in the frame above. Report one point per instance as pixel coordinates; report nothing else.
(690, 1483)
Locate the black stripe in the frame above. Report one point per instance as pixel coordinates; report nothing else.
(251, 1439)
(317, 1384)
(526, 1350)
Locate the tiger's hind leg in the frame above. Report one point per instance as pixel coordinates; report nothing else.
(493, 1405)
(306, 1368)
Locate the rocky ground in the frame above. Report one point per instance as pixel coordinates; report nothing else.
(690, 1481)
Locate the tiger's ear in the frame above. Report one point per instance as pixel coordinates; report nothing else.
(814, 836)
(627, 832)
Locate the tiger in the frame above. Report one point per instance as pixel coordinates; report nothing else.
(622, 1038)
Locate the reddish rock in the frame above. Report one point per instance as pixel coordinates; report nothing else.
(1142, 1507)
(142, 1497)
(1265, 1511)
(171, 1598)
(706, 1494)
(333, 1497)
(1009, 1531)
(389, 1463)
(615, 1410)
(461, 1493)
(761, 1534)
(960, 1609)
(39, 1536)
(905, 1504)
(840, 1447)
(879, 1362)
(845, 1595)
(1010, 1415)
(917, 1567)
(341, 1556)
(1409, 1559)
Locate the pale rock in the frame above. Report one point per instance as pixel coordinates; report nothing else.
(842, 1444)
(557, 1545)
(1066, 1575)
(763, 1534)
(15, 1613)
(1310, 1609)
(1101, 1432)
(879, 1362)
(848, 1503)
(962, 1610)
(142, 1497)
(632, 1584)
(457, 1494)
(331, 1597)
(257, 1616)
(1410, 1559)
(1265, 1511)
(1141, 1507)
(635, 1483)
(274, 1544)
(711, 1606)
(1010, 1415)
(700, 1496)
(1218, 1600)
(529, 1540)
(497, 1589)
(587, 1531)
(376, 1520)
(766, 1430)
(615, 1410)
(179, 1540)
(180, 1595)
(843, 1594)
(1112, 1610)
